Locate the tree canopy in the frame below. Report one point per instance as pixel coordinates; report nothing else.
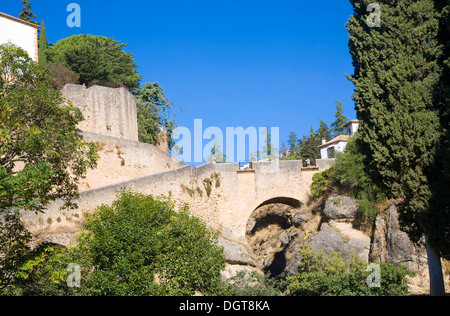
(96, 58)
(42, 154)
(399, 97)
(25, 12)
(138, 246)
(155, 113)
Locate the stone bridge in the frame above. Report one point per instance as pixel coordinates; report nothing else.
(220, 194)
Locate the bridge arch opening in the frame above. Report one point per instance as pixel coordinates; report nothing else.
(269, 231)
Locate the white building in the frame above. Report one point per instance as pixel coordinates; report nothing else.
(339, 143)
(21, 33)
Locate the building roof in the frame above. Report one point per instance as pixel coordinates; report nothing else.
(351, 122)
(340, 138)
(7, 16)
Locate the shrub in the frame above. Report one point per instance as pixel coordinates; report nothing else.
(139, 246)
(318, 185)
(328, 275)
(62, 75)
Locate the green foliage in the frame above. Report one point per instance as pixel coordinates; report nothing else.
(323, 132)
(155, 113)
(337, 127)
(42, 155)
(318, 186)
(25, 12)
(96, 58)
(349, 170)
(139, 246)
(398, 79)
(328, 275)
(14, 240)
(217, 154)
(43, 46)
(254, 284)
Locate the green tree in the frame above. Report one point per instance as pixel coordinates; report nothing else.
(309, 146)
(42, 154)
(293, 145)
(268, 151)
(139, 246)
(155, 113)
(97, 58)
(323, 131)
(323, 274)
(337, 127)
(217, 154)
(43, 46)
(397, 75)
(25, 12)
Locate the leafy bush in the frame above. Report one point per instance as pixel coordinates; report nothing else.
(318, 185)
(349, 173)
(254, 284)
(329, 275)
(139, 246)
(96, 58)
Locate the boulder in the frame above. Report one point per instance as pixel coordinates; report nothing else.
(346, 241)
(342, 208)
(235, 253)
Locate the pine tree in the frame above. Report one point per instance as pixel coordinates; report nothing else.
(292, 144)
(43, 45)
(324, 131)
(310, 146)
(216, 153)
(26, 13)
(397, 71)
(337, 127)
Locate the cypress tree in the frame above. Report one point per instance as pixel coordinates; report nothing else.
(26, 13)
(43, 45)
(397, 72)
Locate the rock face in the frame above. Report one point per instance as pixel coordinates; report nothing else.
(276, 234)
(347, 242)
(340, 208)
(236, 253)
(391, 244)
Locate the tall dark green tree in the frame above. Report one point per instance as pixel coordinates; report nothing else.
(43, 46)
(293, 144)
(324, 131)
(25, 12)
(155, 113)
(337, 127)
(309, 146)
(397, 74)
(96, 58)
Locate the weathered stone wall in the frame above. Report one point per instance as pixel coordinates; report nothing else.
(107, 111)
(226, 205)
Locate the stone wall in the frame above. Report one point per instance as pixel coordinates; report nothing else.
(107, 111)
(220, 194)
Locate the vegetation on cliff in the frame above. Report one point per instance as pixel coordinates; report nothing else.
(139, 246)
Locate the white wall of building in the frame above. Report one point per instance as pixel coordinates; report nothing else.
(20, 34)
(338, 147)
(352, 129)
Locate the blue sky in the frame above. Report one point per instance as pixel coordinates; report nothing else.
(231, 63)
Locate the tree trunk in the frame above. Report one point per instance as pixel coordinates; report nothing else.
(437, 287)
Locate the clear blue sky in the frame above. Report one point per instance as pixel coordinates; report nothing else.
(231, 63)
